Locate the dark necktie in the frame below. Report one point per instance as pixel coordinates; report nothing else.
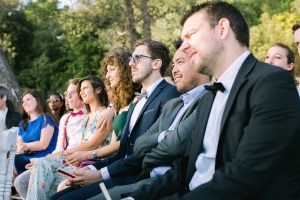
(65, 139)
(139, 96)
(215, 87)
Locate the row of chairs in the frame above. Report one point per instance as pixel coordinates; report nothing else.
(8, 140)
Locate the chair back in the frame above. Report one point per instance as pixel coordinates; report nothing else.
(8, 140)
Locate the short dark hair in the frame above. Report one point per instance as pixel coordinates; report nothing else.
(177, 43)
(295, 27)
(157, 50)
(217, 10)
(3, 91)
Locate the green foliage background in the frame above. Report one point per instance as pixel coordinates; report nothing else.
(46, 46)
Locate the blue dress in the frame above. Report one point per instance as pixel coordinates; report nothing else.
(33, 133)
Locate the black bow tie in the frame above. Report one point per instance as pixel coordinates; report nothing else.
(139, 96)
(215, 87)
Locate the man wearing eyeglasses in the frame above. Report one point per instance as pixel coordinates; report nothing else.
(148, 63)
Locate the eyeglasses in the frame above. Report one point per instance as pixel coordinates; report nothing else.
(67, 93)
(53, 100)
(136, 58)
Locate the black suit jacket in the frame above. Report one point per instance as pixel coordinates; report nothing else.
(258, 150)
(124, 167)
(12, 119)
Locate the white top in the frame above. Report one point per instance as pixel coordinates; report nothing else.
(2, 119)
(205, 163)
(140, 104)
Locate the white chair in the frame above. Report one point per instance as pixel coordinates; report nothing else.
(8, 140)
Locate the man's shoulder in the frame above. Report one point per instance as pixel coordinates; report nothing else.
(13, 113)
(168, 89)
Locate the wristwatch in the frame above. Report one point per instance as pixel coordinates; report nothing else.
(94, 154)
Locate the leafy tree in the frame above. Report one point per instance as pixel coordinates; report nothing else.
(15, 34)
(47, 46)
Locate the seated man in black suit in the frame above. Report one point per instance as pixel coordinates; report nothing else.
(8, 117)
(248, 146)
(148, 63)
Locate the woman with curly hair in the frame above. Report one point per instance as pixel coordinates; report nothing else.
(115, 67)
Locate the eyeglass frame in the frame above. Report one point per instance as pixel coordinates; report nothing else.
(137, 57)
(53, 100)
(67, 93)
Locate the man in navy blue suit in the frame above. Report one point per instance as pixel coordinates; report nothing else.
(149, 62)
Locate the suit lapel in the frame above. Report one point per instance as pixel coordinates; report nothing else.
(155, 92)
(123, 143)
(240, 79)
(169, 117)
(204, 111)
(193, 105)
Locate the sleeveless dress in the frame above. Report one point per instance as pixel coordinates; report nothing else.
(44, 178)
(119, 123)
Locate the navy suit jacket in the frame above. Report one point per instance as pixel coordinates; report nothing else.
(123, 167)
(12, 119)
(258, 150)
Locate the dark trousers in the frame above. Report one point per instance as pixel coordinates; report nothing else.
(81, 193)
(93, 189)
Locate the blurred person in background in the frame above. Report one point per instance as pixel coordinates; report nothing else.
(280, 55)
(8, 116)
(56, 102)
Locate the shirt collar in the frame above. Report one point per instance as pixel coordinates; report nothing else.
(192, 94)
(228, 77)
(152, 87)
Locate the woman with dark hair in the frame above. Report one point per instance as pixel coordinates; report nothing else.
(56, 102)
(282, 56)
(44, 178)
(38, 130)
(115, 67)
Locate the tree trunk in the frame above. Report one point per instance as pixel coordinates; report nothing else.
(8, 80)
(146, 19)
(130, 23)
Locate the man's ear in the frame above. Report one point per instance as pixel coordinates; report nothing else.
(4, 98)
(156, 64)
(224, 26)
(291, 66)
(98, 90)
